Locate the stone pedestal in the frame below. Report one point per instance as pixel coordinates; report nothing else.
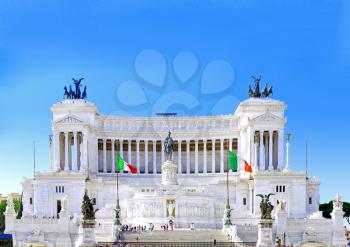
(169, 173)
(88, 228)
(338, 238)
(265, 233)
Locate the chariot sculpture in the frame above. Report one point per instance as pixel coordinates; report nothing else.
(75, 94)
(266, 92)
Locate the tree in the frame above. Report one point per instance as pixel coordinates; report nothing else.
(18, 209)
(3, 205)
(327, 209)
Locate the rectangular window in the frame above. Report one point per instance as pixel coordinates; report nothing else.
(62, 189)
(59, 189)
(310, 200)
(276, 188)
(56, 189)
(284, 188)
(244, 201)
(31, 200)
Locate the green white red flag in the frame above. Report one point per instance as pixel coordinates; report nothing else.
(122, 165)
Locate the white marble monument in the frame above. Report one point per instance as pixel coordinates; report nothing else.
(190, 188)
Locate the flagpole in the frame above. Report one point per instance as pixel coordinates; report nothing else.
(117, 222)
(34, 159)
(227, 214)
(306, 161)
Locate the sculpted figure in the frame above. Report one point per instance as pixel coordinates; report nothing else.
(168, 147)
(71, 93)
(66, 93)
(266, 92)
(265, 206)
(84, 95)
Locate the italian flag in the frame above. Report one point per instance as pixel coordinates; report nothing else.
(247, 167)
(122, 165)
(232, 161)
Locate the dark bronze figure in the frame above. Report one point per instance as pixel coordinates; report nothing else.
(168, 147)
(265, 206)
(84, 95)
(66, 93)
(75, 94)
(266, 92)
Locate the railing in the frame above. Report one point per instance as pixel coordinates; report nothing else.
(176, 244)
(5, 240)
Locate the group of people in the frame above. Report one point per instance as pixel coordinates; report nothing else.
(166, 227)
(130, 228)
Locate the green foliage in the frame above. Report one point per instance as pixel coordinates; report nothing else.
(327, 209)
(2, 216)
(18, 209)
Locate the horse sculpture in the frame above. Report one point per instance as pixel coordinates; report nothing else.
(266, 92)
(75, 94)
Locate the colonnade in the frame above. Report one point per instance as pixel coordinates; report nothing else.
(70, 150)
(268, 149)
(192, 156)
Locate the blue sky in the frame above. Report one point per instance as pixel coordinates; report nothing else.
(300, 47)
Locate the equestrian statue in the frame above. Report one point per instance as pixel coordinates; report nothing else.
(266, 92)
(75, 94)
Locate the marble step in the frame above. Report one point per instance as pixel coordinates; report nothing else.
(177, 236)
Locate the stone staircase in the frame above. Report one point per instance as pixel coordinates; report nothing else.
(176, 236)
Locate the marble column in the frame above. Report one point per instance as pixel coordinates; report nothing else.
(75, 160)
(57, 151)
(196, 156)
(230, 144)
(280, 148)
(256, 151)
(213, 155)
(146, 156)
(113, 156)
(179, 157)
(261, 145)
(205, 169)
(84, 164)
(221, 155)
(138, 155)
(188, 156)
(104, 155)
(97, 156)
(287, 168)
(270, 149)
(154, 150)
(66, 158)
(129, 151)
(162, 154)
(121, 148)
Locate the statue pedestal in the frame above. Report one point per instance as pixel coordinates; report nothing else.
(265, 233)
(88, 228)
(169, 173)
